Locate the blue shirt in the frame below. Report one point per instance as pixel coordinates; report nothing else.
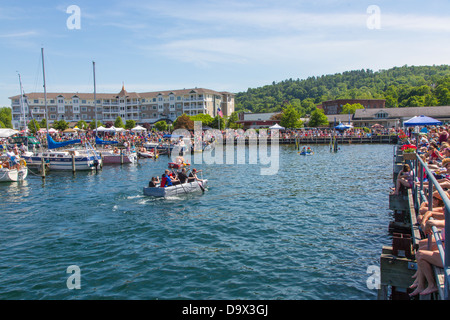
(168, 181)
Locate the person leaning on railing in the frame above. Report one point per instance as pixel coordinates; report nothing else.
(428, 254)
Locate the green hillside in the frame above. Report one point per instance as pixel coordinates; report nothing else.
(407, 86)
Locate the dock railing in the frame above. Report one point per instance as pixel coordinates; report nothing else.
(421, 168)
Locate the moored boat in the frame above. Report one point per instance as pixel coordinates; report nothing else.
(110, 157)
(13, 175)
(64, 160)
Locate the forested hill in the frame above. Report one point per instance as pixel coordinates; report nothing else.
(407, 86)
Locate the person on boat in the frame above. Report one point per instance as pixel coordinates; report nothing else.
(167, 180)
(182, 176)
(193, 175)
(14, 158)
(154, 182)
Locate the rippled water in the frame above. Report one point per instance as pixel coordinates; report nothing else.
(308, 232)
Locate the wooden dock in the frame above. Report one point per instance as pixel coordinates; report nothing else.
(397, 262)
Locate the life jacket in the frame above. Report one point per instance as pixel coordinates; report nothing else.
(163, 181)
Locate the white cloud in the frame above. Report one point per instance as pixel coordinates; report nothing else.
(19, 34)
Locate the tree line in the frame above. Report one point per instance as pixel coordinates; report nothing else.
(407, 86)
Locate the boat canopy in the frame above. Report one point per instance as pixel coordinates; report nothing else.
(52, 144)
(100, 141)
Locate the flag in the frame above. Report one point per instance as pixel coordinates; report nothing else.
(219, 112)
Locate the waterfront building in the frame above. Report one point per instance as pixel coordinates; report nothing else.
(146, 107)
(258, 120)
(335, 106)
(390, 117)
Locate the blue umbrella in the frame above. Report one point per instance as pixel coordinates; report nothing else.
(421, 121)
(342, 126)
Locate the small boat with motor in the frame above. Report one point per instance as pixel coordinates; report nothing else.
(8, 174)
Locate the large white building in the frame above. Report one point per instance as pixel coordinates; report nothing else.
(147, 107)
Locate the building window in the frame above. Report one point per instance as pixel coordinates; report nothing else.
(36, 101)
(83, 109)
(53, 116)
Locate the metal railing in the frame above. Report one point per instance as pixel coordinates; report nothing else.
(421, 168)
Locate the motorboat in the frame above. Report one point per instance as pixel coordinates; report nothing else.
(64, 160)
(13, 175)
(110, 157)
(147, 154)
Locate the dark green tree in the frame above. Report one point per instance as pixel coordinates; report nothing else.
(290, 118)
(60, 124)
(118, 123)
(161, 125)
(33, 126)
(130, 124)
(6, 117)
(318, 119)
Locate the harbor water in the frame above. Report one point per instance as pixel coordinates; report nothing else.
(308, 232)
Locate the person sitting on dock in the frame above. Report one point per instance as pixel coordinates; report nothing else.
(438, 206)
(404, 179)
(426, 258)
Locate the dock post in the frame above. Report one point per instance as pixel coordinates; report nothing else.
(43, 168)
(73, 163)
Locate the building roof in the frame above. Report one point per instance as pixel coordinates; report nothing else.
(258, 116)
(122, 93)
(339, 118)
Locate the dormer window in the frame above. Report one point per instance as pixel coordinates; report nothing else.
(381, 115)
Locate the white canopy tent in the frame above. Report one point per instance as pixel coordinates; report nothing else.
(101, 129)
(138, 128)
(6, 132)
(276, 127)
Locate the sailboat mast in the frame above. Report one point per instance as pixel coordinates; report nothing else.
(22, 108)
(95, 98)
(45, 89)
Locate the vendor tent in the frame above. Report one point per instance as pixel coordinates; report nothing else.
(421, 121)
(6, 132)
(138, 128)
(276, 127)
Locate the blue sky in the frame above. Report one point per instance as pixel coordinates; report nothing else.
(220, 45)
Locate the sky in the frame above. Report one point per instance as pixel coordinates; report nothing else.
(220, 45)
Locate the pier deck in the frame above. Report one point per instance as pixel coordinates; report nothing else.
(398, 262)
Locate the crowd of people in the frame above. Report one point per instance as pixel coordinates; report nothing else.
(433, 147)
(140, 137)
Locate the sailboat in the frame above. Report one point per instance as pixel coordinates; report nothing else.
(110, 156)
(73, 159)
